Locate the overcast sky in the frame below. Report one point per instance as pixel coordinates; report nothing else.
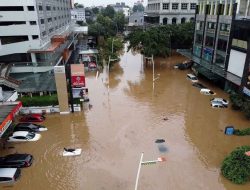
(88, 3)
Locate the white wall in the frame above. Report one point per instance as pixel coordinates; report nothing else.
(20, 47)
(236, 62)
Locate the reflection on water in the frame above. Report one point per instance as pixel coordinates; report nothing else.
(127, 121)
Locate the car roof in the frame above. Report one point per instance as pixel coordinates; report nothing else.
(12, 157)
(191, 75)
(7, 172)
(20, 133)
(205, 90)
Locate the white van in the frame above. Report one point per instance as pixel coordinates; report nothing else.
(192, 77)
(9, 175)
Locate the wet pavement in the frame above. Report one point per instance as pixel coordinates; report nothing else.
(125, 121)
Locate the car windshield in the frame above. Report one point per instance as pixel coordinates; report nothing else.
(31, 135)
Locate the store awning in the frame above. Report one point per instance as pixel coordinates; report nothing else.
(8, 111)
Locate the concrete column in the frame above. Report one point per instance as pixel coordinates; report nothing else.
(33, 57)
(200, 7)
(225, 8)
(204, 7)
(212, 8)
(246, 14)
(215, 8)
(231, 7)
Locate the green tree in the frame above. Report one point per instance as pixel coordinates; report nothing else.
(236, 166)
(159, 40)
(95, 10)
(138, 8)
(119, 21)
(109, 12)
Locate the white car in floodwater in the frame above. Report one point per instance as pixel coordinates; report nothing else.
(24, 136)
(206, 91)
(220, 100)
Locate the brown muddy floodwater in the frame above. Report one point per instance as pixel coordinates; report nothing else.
(127, 121)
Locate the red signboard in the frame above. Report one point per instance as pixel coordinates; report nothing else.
(78, 81)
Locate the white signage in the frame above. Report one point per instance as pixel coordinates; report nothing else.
(59, 69)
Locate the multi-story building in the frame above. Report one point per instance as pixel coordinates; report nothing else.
(78, 14)
(35, 35)
(170, 11)
(221, 47)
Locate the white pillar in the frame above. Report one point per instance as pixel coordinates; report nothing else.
(215, 8)
(203, 7)
(212, 8)
(225, 8)
(231, 8)
(247, 8)
(33, 57)
(200, 8)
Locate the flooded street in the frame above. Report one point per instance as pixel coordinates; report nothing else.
(125, 121)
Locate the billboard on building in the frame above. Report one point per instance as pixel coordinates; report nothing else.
(77, 75)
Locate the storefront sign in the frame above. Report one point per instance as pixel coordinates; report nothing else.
(79, 92)
(78, 81)
(59, 69)
(5, 124)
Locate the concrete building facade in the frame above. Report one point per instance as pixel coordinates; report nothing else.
(170, 11)
(34, 33)
(78, 14)
(221, 47)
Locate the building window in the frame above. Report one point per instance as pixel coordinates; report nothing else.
(40, 7)
(49, 19)
(11, 8)
(34, 37)
(184, 6)
(32, 22)
(13, 39)
(211, 25)
(55, 18)
(175, 6)
(165, 6)
(42, 21)
(193, 6)
(225, 27)
(48, 8)
(31, 8)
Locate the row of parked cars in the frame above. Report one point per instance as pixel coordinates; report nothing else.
(215, 102)
(25, 131)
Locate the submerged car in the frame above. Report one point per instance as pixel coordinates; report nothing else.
(184, 65)
(33, 118)
(199, 85)
(16, 161)
(9, 175)
(220, 100)
(206, 91)
(217, 105)
(31, 127)
(23, 136)
(192, 78)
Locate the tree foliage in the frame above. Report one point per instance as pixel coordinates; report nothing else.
(240, 102)
(95, 10)
(236, 166)
(138, 8)
(108, 12)
(158, 40)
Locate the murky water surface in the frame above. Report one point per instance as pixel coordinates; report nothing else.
(125, 121)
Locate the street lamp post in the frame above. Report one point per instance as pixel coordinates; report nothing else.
(158, 75)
